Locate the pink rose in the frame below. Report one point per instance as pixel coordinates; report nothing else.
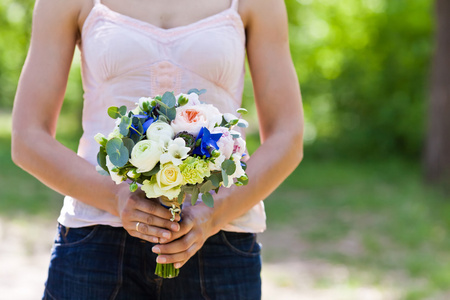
(193, 118)
(226, 142)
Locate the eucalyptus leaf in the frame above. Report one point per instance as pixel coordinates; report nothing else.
(101, 159)
(153, 171)
(229, 166)
(169, 99)
(194, 195)
(208, 199)
(128, 143)
(123, 110)
(215, 179)
(242, 111)
(235, 135)
(181, 197)
(124, 125)
(113, 112)
(242, 124)
(117, 152)
(197, 91)
(206, 187)
(225, 178)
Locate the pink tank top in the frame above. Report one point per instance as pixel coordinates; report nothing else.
(124, 58)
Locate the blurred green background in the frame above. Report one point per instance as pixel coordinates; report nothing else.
(358, 199)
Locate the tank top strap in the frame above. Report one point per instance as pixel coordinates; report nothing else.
(234, 4)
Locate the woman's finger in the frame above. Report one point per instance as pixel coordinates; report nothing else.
(153, 207)
(178, 258)
(153, 220)
(186, 225)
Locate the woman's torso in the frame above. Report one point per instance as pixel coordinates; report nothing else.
(125, 58)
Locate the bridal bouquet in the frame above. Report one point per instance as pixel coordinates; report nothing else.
(171, 146)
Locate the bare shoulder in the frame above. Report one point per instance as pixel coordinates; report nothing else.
(257, 13)
(60, 15)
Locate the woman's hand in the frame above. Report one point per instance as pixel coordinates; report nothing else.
(145, 218)
(196, 227)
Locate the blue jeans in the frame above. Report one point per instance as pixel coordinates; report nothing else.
(103, 262)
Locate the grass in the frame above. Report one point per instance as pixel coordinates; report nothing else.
(377, 217)
(374, 217)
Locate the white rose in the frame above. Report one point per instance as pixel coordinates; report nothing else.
(226, 142)
(116, 178)
(159, 130)
(145, 155)
(193, 118)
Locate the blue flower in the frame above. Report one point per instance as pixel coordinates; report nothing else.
(206, 142)
(148, 121)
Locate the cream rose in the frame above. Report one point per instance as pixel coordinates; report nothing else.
(193, 118)
(159, 130)
(239, 146)
(167, 182)
(145, 155)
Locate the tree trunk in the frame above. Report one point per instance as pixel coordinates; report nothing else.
(437, 151)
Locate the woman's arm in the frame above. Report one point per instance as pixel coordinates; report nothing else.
(278, 102)
(37, 105)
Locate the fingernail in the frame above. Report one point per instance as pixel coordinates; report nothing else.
(177, 265)
(155, 240)
(156, 250)
(161, 259)
(174, 227)
(166, 235)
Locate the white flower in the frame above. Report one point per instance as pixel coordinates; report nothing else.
(239, 170)
(145, 155)
(193, 118)
(217, 164)
(159, 130)
(115, 134)
(228, 117)
(226, 141)
(239, 146)
(176, 151)
(148, 100)
(100, 138)
(116, 178)
(192, 99)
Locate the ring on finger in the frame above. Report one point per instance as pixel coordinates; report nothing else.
(137, 226)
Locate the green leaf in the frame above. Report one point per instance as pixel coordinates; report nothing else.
(242, 124)
(235, 135)
(118, 153)
(123, 110)
(128, 143)
(243, 180)
(180, 197)
(113, 112)
(101, 159)
(194, 195)
(224, 177)
(244, 165)
(208, 199)
(153, 171)
(206, 187)
(215, 179)
(169, 113)
(242, 111)
(169, 99)
(229, 166)
(125, 123)
(197, 91)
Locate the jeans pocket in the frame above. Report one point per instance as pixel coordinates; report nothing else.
(244, 244)
(67, 236)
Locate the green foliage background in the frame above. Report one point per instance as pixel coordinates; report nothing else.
(362, 65)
